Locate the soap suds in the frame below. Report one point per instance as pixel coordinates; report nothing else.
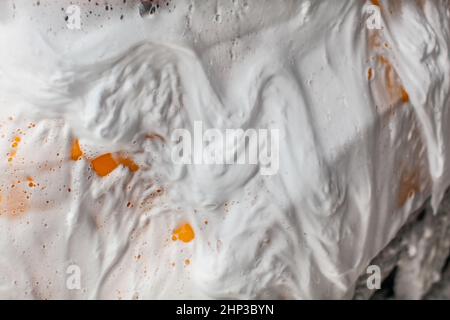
(364, 140)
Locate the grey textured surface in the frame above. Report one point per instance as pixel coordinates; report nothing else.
(415, 265)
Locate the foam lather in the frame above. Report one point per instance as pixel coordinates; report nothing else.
(92, 205)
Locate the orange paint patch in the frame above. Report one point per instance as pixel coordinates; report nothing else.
(31, 182)
(185, 233)
(14, 145)
(15, 203)
(405, 96)
(12, 155)
(104, 164)
(370, 74)
(378, 4)
(187, 262)
(77, 153)
(395, 89)
(107, 163)
(129, 163)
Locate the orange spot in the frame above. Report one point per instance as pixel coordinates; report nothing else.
(77, 153)
(16, 203)
(14, 145)
(187, 262)
(104, 164)
(129, 163)
(376, 2)
(370, 74)
(12, 155)
(31, 182)
(107, 163)
(405, 96)
(185, 233)
(394, 86)
(383, 60)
